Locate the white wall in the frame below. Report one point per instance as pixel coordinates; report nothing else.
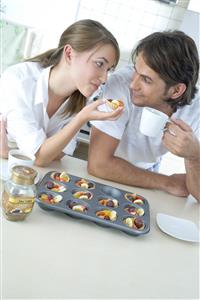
(42, 14)
(131, 20)
(191, 25)
(128, 20)
(47, 17)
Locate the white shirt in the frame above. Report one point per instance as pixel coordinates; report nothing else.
(24, 99)
(136, 148)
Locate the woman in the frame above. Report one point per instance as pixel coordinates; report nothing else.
(44, 98)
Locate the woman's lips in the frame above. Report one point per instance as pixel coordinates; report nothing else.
(95, 86)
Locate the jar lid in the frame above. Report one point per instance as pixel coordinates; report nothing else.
(23, 175)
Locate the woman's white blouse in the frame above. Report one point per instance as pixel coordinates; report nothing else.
(24, 99)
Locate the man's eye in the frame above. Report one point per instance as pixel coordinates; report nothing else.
(146, 80)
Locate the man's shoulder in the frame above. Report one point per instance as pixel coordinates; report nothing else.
(190, 113)
(124, 73)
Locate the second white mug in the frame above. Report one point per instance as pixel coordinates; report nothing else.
(17, 157)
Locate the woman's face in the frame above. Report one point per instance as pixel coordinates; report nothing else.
(89, 69)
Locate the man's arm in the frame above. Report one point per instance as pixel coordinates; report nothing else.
(181, 141)
(102, 163)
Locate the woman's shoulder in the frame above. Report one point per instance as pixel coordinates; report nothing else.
(23, 70)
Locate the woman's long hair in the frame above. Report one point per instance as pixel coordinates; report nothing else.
(82, 35)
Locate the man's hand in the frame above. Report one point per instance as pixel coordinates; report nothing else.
(180, 140)
(176, 185)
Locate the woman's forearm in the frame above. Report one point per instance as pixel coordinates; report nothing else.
(54, 145)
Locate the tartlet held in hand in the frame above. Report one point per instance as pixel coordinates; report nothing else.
(115, 103)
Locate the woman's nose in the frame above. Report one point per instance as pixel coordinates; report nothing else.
(103, 77)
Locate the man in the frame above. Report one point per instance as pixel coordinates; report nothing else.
(164, 77)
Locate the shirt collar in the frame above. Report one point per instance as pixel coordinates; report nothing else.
(41, 93)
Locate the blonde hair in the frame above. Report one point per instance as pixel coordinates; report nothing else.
(82, 35)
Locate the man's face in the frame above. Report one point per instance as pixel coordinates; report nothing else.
(148, 89)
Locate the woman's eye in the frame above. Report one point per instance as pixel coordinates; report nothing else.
(99, 64)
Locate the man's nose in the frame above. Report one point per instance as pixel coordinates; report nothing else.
(135, 82)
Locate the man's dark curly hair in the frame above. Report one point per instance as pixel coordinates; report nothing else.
(174, 56)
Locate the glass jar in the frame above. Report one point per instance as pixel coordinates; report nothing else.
(19, 193)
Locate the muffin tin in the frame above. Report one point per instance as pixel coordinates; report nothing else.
(86, 199)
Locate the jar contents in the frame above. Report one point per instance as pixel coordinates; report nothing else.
(19, 193)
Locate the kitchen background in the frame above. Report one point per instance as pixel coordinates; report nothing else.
(30, 27)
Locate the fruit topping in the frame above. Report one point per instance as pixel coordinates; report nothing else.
(82, 195)
(134, 210)
(107, 215)
(134, 198)
(83, 183)
(115, 103)
(136, 223)
(50, 199)
(60, 176)
(109, 202)
(77, 207)
(55, 187)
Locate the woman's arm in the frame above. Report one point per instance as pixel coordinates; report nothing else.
(52, 147)
(3, 139)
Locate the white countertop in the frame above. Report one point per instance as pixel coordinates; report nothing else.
(52, 256)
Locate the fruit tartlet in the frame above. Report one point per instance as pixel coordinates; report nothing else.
(50, 199)
(109, 202)
(82, 195)
(115, 103)
(60, 176)
(55, 187)
(135, 223)
(83, 183)
(134, 198)
(77, 207)
(107, 214)
(132, 210)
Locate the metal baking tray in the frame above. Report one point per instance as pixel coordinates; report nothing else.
(87, 199)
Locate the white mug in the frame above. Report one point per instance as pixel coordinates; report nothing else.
(153, 122)
(18, 157)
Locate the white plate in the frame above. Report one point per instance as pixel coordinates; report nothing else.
(179, 228)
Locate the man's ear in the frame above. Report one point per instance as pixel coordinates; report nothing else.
(67, 51)
(177, 90)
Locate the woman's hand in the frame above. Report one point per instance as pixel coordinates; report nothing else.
(3, 139)
(91, 112)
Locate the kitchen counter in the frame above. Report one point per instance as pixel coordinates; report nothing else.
(53, 256)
